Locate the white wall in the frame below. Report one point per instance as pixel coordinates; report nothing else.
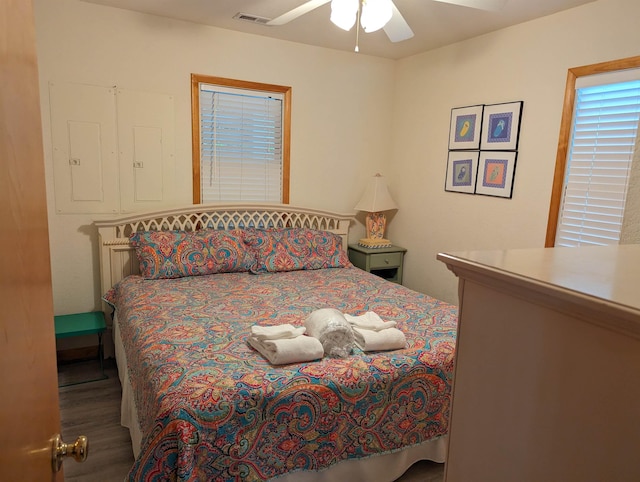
(341, 110)
(342, 116)
(527, 62)
(630, 233)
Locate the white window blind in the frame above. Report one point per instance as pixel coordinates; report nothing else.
(240, 145)
(604, 132)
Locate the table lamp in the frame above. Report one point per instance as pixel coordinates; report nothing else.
(375, 200)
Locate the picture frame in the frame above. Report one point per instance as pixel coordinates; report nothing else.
(462, 169)
(501, 126)
(496, 171)
(465, 127)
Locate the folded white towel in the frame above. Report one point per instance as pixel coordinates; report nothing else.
(288, 350)
(332, 329)
(276, 332)
(387, 339)
(369, 321)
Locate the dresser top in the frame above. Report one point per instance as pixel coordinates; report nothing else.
(609, 273)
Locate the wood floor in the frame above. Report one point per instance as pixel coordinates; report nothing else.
(93, 409)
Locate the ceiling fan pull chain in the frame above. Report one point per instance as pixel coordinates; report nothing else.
(357, 49)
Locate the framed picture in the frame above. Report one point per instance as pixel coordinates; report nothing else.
(501, 126)
(462, 168)
(496, 171)
(466, 125)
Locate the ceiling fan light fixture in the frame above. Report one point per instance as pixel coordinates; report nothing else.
(343, 13)
(375, 14)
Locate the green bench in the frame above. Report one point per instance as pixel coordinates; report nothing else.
(81, 324)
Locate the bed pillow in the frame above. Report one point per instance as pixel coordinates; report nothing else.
(175, 254)
(291, 249)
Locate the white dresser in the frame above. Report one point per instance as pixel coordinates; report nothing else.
(547, 377)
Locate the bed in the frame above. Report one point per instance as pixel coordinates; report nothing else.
(202, 404)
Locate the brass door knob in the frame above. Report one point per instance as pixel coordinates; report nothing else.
(79, 450)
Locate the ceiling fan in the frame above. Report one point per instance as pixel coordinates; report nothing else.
(374, 14)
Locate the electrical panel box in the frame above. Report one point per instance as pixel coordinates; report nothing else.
(83, 134)
(113, 149)
(145, 149)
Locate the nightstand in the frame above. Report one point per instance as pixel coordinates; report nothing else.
(80, 324)
(384, 262)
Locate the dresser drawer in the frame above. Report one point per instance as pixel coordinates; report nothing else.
(385, 260)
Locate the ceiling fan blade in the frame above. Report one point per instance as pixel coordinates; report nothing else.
(491, 5)
(297, 12)
(397, 29)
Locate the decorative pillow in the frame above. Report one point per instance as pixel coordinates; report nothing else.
(175, 254)
(292, 249)
(228, 250)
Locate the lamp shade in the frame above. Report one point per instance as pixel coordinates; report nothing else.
(343, 13)
(375, 14)
(376, 197)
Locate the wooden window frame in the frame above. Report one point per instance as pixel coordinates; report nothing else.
(565, 133)
(196, 79)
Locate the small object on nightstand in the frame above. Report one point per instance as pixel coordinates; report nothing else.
(80, 324)
(384, 262)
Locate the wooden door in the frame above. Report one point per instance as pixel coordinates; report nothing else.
(29, 414)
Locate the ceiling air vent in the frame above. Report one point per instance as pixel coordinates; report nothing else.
(251, 18)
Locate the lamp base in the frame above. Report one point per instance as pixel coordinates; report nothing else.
(374, 243)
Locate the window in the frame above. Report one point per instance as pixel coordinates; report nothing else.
(241, 135)
(597, 142)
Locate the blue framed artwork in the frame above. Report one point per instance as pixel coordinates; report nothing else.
(496, 170)
(462, 169)
(501, 126)
(466, 126)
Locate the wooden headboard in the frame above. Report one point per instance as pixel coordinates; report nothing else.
(117, 256)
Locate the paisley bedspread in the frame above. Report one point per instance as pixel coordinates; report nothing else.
(211, 408)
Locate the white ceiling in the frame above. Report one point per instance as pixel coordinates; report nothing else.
(435, 24)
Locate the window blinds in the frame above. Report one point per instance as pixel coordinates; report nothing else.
(604, 135)
(240, 145)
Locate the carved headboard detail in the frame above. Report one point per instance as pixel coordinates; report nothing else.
(117, 256)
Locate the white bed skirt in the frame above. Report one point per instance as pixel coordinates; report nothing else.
(128, 412)
(379, 468)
